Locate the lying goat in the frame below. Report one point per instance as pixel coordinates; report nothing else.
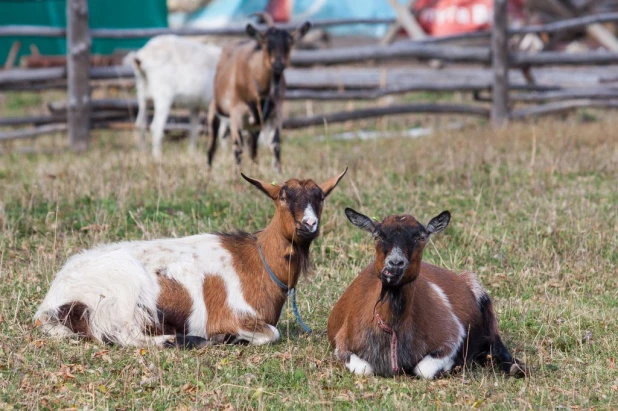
(249, 88)
(401, 315)
(172, 70)
(193, 290)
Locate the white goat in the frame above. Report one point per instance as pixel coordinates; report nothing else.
(171, 69)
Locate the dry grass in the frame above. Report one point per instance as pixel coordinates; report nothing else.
(534, 214)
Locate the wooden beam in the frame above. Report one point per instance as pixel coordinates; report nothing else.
(555, 58)
(567, 24)
(592, 94)
(231, 30)
(561, 107)
(417, 50)
(500, 64)
(12, 56)
(32, 132)
(406, 19)
(293, 123)
(78, 62)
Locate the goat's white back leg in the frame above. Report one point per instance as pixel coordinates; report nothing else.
(272, 134)
(162, 110)
(141, 121)
(194, 132)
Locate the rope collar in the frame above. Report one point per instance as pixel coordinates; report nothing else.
(291, 292)
(388, 329)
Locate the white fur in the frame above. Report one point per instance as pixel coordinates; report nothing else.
(359, 366)
(474, 284)
(256, 338)
(118, 283)
(309, 217)
(429, 366)
(173, 70)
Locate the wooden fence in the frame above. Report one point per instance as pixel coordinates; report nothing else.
(498, 84)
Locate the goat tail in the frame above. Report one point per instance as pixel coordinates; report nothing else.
(498, 351)
(131, 60)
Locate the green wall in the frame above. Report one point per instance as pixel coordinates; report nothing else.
(103, 14)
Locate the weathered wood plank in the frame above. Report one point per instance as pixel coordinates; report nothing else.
(500, 64)
(78, 62)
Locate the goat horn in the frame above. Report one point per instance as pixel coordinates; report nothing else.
(264, 18)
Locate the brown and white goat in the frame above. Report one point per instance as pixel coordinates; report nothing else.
(401, 315)
(190, 291)
(249, 87)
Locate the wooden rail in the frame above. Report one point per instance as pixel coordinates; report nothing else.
(79, 114)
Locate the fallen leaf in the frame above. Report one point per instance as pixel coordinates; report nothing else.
(258, 393)
(189, 388)
(100, 353)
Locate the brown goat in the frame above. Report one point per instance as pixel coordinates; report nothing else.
(401, 315)
(248, 89)
(197, 290)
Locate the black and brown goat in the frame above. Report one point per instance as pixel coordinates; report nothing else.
(248, 89)
(401, 315)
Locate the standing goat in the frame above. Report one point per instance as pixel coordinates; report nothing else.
(172, 70)
(401, 315)
(249, 88)
(190, 291)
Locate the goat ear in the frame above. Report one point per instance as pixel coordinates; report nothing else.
(300, 32)
(270, 189)
(328, 185)
(360, 220)
(439, 222)
(254, 33)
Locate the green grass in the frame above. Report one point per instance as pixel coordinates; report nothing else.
(534, 214)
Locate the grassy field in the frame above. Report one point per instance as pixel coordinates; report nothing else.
(534, 214)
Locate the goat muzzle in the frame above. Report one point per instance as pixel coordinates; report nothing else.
(391, 276)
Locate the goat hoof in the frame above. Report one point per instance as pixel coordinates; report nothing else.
(518, 370)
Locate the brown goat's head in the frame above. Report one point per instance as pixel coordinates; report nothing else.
(299, 205)
(400, 241)
(277, 45)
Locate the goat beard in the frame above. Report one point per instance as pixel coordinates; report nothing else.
(276, 89)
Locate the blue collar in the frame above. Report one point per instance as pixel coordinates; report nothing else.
(290, 291)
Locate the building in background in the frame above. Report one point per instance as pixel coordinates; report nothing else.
(103, 14)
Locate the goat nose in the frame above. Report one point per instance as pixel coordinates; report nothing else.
(311, 223)
(396, 262)
(278, 67)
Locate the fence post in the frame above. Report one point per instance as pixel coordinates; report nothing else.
(500, 64)
(78, 67)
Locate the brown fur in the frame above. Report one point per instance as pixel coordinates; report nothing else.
(411, 306)
(75, 317)
(242, 85)
(425, 313)
(285, 251)
(174, 304)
